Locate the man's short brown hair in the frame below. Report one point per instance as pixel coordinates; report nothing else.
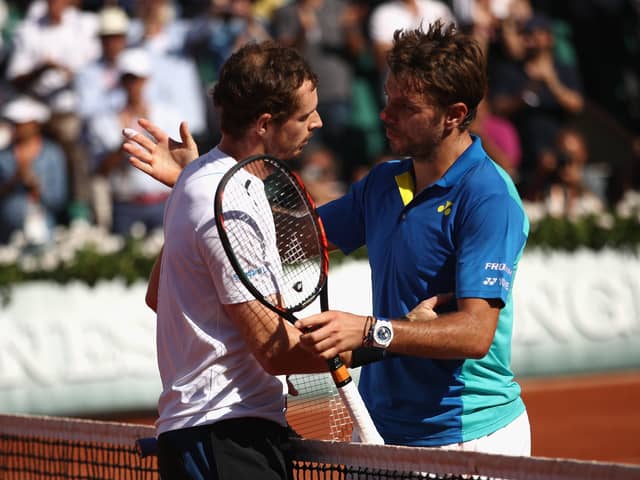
(259, 78)
(444, 64)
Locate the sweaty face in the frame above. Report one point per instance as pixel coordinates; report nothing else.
(289, 138)
(414, 127)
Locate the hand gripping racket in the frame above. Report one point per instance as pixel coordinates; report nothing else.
(275, 242)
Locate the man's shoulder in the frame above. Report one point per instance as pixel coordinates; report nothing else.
(384, 174)
(392, 166)
(204, 172)
(487, 178)
(196, 187)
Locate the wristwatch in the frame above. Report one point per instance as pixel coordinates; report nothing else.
(382, 333)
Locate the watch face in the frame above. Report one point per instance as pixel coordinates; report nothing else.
(383, 334)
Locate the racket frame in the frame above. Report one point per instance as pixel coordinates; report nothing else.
(341, 376)
(324, 249)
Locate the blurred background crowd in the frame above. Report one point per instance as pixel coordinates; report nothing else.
(562, 114)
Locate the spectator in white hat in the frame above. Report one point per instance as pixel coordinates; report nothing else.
(33, 174)
(134, 196)
(98, 83)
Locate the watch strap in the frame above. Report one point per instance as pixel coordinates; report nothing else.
(369, 340)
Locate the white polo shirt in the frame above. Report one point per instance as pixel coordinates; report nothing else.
(208, 372)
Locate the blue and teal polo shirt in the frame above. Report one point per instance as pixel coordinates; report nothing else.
(465, 234)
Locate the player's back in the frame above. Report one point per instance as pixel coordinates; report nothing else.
(205, 365)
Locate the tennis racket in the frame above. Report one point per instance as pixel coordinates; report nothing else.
(275, 242)
(316, 395)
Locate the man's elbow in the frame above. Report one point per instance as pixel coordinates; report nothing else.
(151, 301)
(477, 353)
(479, 349)
(274, 365)
(276, 359)
(280, 361)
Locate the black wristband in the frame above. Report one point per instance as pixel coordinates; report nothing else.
(362, 356)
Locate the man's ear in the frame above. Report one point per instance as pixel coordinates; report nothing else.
(263, 124)
(455, 115)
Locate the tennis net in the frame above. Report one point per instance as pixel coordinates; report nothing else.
(35, 447)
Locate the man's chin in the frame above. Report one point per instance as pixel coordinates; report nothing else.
(288, 156)
(297, 152)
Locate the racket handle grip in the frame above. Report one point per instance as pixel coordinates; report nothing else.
(366, 430)
(339, 371)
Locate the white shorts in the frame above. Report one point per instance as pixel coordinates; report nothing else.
(514, 439)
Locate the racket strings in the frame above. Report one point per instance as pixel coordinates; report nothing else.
(273, 206)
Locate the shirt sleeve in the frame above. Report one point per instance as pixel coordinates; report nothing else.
(256, 253)
(343, 219)
(489, 243)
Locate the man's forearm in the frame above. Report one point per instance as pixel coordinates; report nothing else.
(151, 297)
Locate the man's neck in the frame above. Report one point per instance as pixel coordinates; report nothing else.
(239, 148)
(429, 170)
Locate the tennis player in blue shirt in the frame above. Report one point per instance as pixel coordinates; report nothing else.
(442, 219)
(445, 219)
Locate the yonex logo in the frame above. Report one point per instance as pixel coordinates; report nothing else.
(490, 281)
(446, 208)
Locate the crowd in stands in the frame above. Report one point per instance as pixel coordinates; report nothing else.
(562, 114)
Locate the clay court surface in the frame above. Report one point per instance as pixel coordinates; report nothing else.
(590, 417)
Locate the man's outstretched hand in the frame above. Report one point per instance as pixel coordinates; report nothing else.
(158, 155)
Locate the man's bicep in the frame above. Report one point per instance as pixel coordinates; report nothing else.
(488, 309)
(343, 223)
(482, 315)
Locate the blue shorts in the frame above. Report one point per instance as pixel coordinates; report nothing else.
(232, 449)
